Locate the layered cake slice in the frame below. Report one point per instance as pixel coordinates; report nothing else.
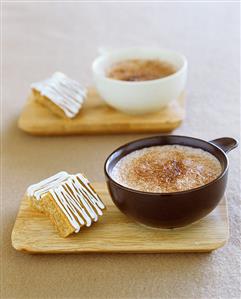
(68, 200)
(60, 94)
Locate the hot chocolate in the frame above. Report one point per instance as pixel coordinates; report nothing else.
(168, 168)
(140, 70)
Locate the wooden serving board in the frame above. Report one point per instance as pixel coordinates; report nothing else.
(114, 232)
(98, 118)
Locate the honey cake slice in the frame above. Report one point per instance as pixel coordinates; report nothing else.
(68, 200)
(60, 94)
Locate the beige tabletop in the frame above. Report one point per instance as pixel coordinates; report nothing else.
(40, 38)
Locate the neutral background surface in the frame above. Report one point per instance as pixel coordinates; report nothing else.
(40, 38)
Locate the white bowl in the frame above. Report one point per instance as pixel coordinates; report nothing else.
(140, 96)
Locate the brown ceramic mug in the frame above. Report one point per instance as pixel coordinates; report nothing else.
(174, 209)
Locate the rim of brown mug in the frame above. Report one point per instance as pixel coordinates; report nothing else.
(167, 193)
(97, 60)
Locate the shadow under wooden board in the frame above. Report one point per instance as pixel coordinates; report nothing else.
(114, 232)
(97, 118)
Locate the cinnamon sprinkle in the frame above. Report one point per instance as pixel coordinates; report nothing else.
(166, 168)
(140, 70)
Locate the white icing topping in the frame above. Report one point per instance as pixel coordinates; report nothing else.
(64, 92)
(73, 194)
(43, 187)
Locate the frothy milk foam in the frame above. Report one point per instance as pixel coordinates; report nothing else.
(167, 168)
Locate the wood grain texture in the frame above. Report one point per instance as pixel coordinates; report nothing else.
(98, 118)
(114, 232)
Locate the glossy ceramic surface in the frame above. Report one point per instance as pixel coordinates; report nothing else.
(176, 209)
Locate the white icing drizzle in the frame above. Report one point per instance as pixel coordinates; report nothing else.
(43, 187)
(64, 92)
(73, 194)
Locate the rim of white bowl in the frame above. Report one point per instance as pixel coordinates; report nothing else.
(122, 82)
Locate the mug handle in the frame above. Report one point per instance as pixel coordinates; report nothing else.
(225, 143)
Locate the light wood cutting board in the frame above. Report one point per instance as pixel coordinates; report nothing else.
(33, 233)
(98, 118)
